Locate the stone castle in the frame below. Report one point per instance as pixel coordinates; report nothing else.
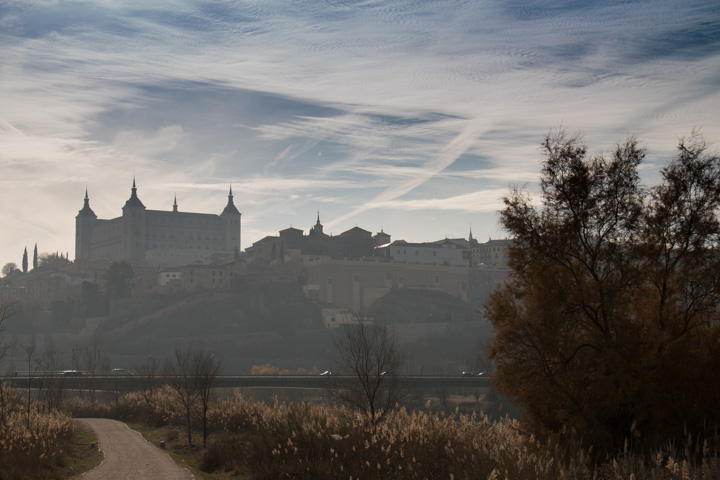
(156, 236)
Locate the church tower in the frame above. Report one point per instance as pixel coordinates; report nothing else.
(133, 240)
(317, 229)
(84, 223)
(231, 225)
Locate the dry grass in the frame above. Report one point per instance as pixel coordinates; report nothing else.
(267, 441)
(33, 440)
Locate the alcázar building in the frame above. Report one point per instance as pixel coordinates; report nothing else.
(156, 236)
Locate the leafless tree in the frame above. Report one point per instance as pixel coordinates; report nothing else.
(204, 372)
(370, 355)
(481, 361)
(36, 362)
(53, 393)
(192, 376)
(93, 361)
(180, 378)
(148, 373)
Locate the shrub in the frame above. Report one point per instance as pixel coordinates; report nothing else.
(31, 439)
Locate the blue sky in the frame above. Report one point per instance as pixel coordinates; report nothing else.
(410, 116)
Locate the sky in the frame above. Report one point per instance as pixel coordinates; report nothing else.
(414, 117)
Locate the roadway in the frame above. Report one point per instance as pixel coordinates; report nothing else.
(138, 382)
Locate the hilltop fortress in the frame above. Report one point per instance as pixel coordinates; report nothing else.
(345, 275)
(156, 236)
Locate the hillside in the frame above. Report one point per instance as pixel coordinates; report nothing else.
(402, 306)
(278, 307)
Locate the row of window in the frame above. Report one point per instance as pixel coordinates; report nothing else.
(189, 247)
(185, 235)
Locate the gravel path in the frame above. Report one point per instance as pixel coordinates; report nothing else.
(127, 455)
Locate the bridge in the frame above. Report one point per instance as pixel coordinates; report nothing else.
(127, 383)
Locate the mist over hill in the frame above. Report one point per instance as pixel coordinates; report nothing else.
(261, 322)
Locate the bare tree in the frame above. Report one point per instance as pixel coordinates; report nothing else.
(181, 380)
(53, 393)
(94, 361)
(204, 372)
(148, 373)
(370, 354)
(481, 361)
(35, 363)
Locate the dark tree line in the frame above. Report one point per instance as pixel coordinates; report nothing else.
(610, 323)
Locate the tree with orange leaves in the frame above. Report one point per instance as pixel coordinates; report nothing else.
(610, 323)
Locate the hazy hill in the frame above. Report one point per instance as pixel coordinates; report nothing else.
(263, 321)
(421, 306)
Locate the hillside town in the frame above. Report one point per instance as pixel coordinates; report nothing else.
(172, 251)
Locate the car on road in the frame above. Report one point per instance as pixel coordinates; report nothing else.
(121, 372)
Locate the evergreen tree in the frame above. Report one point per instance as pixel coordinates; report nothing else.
(35, 258)
(25, 261)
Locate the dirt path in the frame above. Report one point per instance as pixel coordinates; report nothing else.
(127, 455)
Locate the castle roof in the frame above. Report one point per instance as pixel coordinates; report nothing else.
(356, 231)
(133, 201)
(230, 208)
(86, 210)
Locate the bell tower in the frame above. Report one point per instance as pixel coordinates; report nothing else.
(84, 223)
(231, 225)
(133, 241)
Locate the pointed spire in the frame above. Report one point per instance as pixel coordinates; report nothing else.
(175, 205)
(318, 218)
(86, 210)
(134, 201)
(230, 207)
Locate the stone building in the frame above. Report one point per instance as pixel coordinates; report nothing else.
(353, 243)
(156, 236)
(449, 251)
(492, 254)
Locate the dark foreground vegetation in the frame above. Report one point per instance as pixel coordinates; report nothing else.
(611, 322)
(41, 443)
(255, 440)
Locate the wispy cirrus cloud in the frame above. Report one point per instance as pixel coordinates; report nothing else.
(418, 107)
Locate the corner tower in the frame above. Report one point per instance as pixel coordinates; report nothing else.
(84, 223)
(230, 217)
(133, 240)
